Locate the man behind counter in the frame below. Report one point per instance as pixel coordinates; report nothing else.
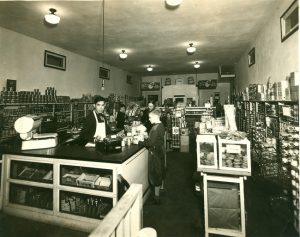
(95, 126)
(145, 118)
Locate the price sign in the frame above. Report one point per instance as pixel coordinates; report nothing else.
(235, 149)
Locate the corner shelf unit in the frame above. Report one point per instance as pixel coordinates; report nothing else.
(65, 192)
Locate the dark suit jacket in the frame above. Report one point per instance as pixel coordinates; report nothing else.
(120, 120)
(89, 128)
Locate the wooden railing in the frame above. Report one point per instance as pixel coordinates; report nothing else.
(125, 219)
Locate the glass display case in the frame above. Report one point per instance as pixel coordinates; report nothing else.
(234, 155)
(32, 171)
(31, 196)
(207, 154)
(85, 177)
(86, 189)
(84, 205)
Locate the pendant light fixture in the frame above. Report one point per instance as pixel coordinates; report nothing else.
(196, 65)
(123, 55)
(102, 86)
(51, 18)
(173, 3)
(191, 49)
(149, 68)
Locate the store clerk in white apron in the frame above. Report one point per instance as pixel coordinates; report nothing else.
(95, 126)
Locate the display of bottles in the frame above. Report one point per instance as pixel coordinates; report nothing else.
(31, 196)
(84, 205)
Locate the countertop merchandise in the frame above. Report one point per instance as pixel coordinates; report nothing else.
(72, 151)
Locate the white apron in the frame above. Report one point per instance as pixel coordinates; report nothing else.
(100, 128)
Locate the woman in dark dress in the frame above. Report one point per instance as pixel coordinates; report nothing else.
(155, 145)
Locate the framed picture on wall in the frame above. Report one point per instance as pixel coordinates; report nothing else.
(129, 79)
(251, 57)
(104, 73)
(168, 81)
(150, 86)
(207, 84)
(54, 60)
(289, 21)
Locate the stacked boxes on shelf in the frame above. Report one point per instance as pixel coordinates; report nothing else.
(178, 122)
(294, 86)
(276, 145)
(289, 146)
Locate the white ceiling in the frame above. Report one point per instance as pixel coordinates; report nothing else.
(149, 31)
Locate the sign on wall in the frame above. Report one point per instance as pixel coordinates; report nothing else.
(168, 81)
(150, 86)
(207, 84)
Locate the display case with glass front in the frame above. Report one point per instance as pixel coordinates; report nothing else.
(31, 171)
(85, 177)
(90, 206)
(207, 154)
(64, 190)
(234, 156)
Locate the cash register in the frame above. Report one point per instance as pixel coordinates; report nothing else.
(27, 126)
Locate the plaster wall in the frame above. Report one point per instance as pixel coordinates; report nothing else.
(22, 59)
(223, 86)
(274, 60)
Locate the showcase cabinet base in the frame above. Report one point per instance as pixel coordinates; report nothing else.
(66, 192)
(224, 207)
(68, 221)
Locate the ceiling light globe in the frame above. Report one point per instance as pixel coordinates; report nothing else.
(51, 18)
(191, 49)
(173, 3)
(149, 69)
(196, 65)
(123, 55)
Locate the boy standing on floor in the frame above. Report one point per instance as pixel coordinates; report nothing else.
(155, 145)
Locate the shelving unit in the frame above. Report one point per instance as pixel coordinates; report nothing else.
(65, 114)
(273, 129)
(1, 182)
(11, 112)
(194, 114)
(79, 112)
(66, 192)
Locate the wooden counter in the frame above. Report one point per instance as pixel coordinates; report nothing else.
(131, 163)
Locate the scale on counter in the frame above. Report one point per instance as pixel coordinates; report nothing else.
(27, 127)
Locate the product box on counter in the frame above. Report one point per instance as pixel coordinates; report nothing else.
(207, 155)
(87, 180)
(235, 156)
